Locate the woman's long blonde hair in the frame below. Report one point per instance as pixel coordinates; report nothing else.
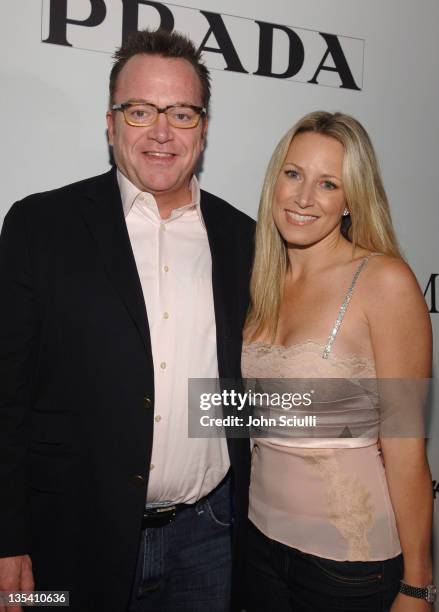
(369, 224)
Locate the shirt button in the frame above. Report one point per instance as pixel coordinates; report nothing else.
(166, 268)
(138, 480)
(163, 227)
(152, 466)
(158, 418)
(166, 315)
(147, 402)
(163, 365)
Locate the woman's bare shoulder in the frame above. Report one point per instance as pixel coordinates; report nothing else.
(389, 277)
(391, 296)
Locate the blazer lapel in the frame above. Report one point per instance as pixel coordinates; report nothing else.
(103, 214)
(224, 288)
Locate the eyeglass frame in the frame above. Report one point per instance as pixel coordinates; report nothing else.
(201, 110)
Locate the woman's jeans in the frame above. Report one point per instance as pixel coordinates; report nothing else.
(287, 580)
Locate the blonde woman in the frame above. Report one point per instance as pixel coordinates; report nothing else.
(335, 525)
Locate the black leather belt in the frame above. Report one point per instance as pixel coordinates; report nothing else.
(161, 516)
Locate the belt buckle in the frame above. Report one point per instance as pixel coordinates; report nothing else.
(159, 516)
(160, 511)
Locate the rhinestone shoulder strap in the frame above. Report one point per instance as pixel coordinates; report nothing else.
(343, 307)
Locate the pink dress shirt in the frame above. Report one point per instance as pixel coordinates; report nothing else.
(175, 269)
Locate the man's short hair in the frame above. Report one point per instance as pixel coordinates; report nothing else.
(165, 44)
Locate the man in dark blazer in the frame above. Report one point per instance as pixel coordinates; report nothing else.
(83, 394)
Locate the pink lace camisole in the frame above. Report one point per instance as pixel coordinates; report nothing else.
(324, 496)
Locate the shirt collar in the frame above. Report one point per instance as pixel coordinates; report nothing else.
(129, 193)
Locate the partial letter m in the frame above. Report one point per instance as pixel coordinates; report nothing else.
(431, 287)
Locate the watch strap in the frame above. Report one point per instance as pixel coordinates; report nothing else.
(427, 592)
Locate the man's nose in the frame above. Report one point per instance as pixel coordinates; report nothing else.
(160, 130)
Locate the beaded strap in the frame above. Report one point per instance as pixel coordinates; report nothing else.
(343, 307)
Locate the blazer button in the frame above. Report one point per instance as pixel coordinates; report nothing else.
(138, 480)
(147, 402)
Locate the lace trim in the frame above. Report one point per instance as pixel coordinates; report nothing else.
(350, 507)
(350, 361)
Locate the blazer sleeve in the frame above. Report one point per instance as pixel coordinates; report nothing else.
(17, 339)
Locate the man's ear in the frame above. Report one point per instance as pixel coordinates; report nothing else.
(110, 127)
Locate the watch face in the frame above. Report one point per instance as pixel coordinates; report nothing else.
(431, 594)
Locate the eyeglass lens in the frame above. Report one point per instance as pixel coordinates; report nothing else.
(146, 114)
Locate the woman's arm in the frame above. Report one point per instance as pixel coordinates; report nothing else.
(402, 344)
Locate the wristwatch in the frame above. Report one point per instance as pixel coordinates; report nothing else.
(428, 592)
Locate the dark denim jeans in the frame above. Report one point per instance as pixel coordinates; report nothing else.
(287, 580)
(186, 565)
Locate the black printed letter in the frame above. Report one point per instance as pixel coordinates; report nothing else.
(59, 20)
(341, 65)
(432, 287)
(296, 51)
(226, 48)
(130, 17)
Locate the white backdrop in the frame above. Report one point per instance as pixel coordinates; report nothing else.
(54, 99)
